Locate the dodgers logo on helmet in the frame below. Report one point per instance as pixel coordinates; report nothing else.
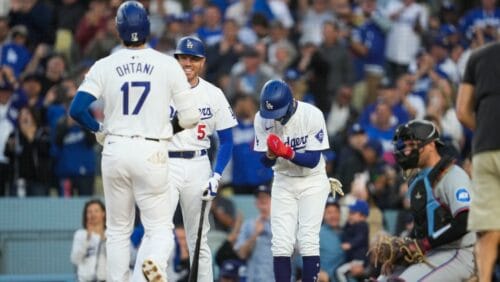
(132, 22)
(269, 106)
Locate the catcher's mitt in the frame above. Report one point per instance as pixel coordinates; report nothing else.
(392, 251)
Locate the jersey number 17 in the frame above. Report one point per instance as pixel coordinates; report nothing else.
(125, 90)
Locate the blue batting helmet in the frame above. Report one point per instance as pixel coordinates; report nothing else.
(275, 99)
(190, 45)
(132, 22)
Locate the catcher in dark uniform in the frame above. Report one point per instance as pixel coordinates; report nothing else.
(441, 248)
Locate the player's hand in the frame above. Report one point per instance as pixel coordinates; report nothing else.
(100, 135)
(277, 147)
(210, 190)
(335, 187)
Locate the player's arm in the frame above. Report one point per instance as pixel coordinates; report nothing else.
(457, 229)
(465, 105)
(225, 149)
(79, 111)
(458, 201)
(465, 97)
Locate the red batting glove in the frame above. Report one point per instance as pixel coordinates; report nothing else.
(277, 147)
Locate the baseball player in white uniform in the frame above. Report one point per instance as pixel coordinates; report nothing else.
(291, 135)
(191, 176)
(137, 85)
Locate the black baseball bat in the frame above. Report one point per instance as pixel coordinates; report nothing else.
(193, 272)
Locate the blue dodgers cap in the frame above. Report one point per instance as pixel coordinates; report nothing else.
(230, 268)
(360, 206)
(292, 75)
(331, 201)
(263, 189)
(356, 128)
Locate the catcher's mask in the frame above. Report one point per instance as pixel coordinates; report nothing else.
(422, 132)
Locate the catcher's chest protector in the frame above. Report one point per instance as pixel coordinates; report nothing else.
(431, 218)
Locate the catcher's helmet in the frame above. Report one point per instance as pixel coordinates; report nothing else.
(190, 45)
(417, 130)
(275, 99)
(422, 131)
(132, 22)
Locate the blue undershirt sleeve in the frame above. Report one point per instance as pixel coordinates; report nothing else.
(267, 162)
(225, 149)
(79, 111)
(308, 159)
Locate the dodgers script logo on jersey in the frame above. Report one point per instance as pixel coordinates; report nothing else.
(206, 113)
(296, 142)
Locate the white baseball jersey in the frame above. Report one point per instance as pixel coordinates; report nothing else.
(215, 114)
(305, 131)
(137, 86)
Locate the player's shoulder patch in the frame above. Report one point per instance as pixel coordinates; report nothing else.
(462, 195)
(320, 135)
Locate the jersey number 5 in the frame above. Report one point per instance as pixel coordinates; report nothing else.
(125, 89)
(201, 131)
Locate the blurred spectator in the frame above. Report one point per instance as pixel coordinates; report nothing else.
(55, 71)
(381, 126)
(240, 11)
(412, 103)
(211, 31)
(159, 10)
(340, 66)
(409, 19)
(67, 15)
(311, 64)
(224, 54)
(312, 19)
(249, 75)
(4, 29)
(6, 127)
(440, 107)
(254, 243)
(223, 214)
(103, 42)
(226, 250)
(368, 44)
(88, 252)
(28, 150)
(247, 170)
(94, 21)
(31, 94)
(440, 53)
(281, 52)
(73, 152)
(36, 15)
(350, 158)
(15, 53)
(355, 239)
(341, 114)
(482, 21)
(259, 24)
(331, 253)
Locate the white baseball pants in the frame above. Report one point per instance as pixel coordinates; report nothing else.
(187, 178)
(297, 206)
(135, 170)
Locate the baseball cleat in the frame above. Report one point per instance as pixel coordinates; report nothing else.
(152, 272)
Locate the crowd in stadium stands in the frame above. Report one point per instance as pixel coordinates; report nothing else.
(369, 65)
